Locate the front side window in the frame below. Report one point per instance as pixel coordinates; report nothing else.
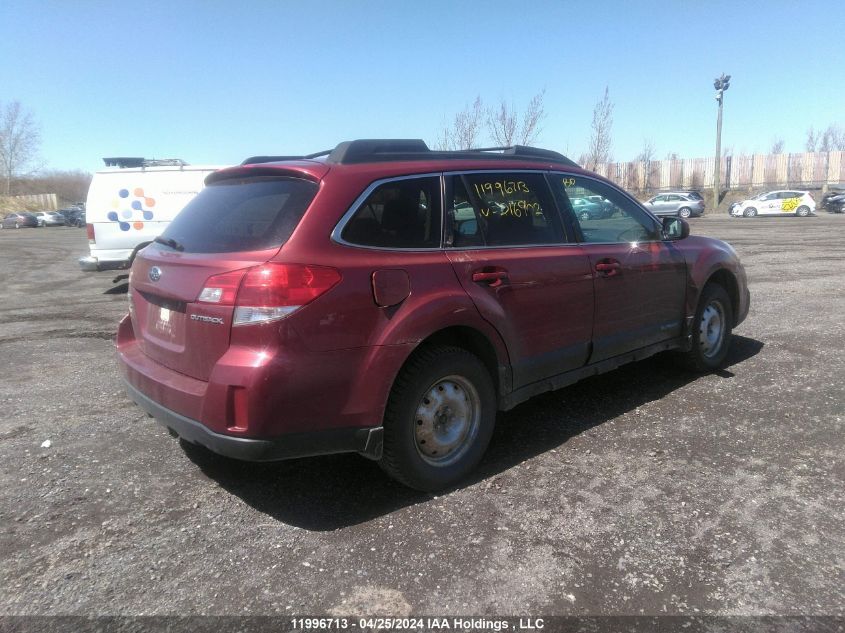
(502, 209)
(621, 220)
(398, 214)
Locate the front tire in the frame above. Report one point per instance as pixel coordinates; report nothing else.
(750, 212)
(803, 212)
(439, 418)
(684, 212)
(711, 330)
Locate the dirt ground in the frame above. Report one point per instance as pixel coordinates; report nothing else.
(643, 491)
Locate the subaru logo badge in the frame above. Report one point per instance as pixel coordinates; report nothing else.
(155, 273)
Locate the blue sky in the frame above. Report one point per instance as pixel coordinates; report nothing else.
(214, 82)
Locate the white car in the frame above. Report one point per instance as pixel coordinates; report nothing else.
(784, 202)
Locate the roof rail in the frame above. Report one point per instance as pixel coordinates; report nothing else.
(129, 161)
(377, 150)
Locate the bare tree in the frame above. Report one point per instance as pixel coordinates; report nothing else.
(600, 138)
(832, 139)
(777, 146)
(465, 128)
(19, 141)
(69, 186)
(812, 140)
(646, 157)
(507, 127)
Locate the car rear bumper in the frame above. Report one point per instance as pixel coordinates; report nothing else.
(367, 441)
(263, 407)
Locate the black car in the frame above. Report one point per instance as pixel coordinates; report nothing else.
(18, 220)
(74, 216)
(834, 201)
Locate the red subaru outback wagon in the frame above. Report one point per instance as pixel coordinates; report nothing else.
(386, 299)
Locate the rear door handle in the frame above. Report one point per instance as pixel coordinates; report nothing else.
(608, 267)
(493, 278)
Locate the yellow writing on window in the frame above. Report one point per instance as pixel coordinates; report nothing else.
(514, 208)
(501, 187)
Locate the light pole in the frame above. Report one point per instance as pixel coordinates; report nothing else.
(720, 84)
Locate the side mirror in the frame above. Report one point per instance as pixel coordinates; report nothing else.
(675, 228)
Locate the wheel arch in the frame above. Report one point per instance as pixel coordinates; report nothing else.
(385, 363)
(475, 342)
(726, 279)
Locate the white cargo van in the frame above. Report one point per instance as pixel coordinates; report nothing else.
(131, 202)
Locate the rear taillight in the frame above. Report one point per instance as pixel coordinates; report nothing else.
(222, 289)
(268, 292)
(89, 229)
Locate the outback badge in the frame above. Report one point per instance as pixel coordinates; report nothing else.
(207, 319)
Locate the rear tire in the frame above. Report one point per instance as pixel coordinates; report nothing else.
(750, 212)
(711, 330)
(439, 418)
(803, 212)
(584, 216)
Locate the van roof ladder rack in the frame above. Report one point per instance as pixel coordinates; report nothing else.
(125, 162)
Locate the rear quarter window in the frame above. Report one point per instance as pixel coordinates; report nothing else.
(242, 215)
(398, 214)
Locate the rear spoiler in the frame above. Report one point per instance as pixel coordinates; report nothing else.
(252, 171)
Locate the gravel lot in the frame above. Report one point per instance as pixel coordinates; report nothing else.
(643, 491)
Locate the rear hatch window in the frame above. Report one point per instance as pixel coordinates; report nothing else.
(241, 214)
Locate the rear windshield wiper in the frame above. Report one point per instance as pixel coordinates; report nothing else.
(169, 241)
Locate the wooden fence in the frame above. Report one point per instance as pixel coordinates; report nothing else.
(31, 202)
(763, 171)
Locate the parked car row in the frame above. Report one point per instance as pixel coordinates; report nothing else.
(33, 219)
